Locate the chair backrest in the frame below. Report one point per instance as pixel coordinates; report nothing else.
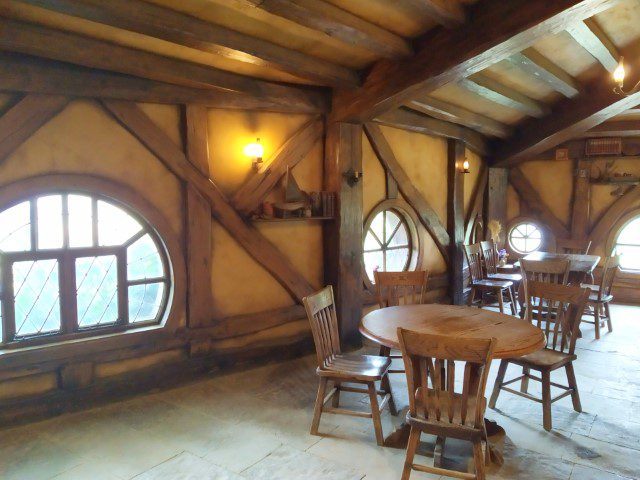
(490, 256)
(547, 271)
(401, 288)
(609, 273)
(474, 260)
(430, 368)
(557, 309)
(321, 310)
(576, 247)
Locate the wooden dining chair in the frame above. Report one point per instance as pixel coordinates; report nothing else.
(338, 368)
(490, 257)
(600, 296)
(482, 285)
(544, 301)
(435, 407)
(399, 288)
(575, 247)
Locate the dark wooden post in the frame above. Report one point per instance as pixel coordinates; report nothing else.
(496, 202)
(455, 219)
(198, 221)
(343, 236)
(581, 200)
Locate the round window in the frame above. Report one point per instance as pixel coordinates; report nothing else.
(627, 245)
(387, 243)
(525, 237)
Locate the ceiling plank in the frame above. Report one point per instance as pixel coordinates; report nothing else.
(591, 37)
(19, 73)
(455, 114)
(448, 13)
(496, 30)
(615, 128)
(494, 91)
(534, 63)
(172, 26)
(68, 47)
(338, 24)
(415, 122)
(570, 118)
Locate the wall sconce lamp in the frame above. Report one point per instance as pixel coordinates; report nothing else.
(352, 176)
(256, 151)
(465, 166)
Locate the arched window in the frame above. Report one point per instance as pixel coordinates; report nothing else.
(627, 244)
(525, 237)
(73, 263)
(388, 241)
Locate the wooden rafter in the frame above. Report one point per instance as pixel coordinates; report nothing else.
(448, 13)
(19, 73)
(529, 194)
(134, 120)
(494, 91)
(591, 37)
(570, 118)
(536, 64)
(337, 23)
(415, 122)
(616, 210)
(455, 114)
(173, 26)
(615, 128)
(25, 118)
(425, 212)
(499, 29)
(251, 194)
(68, 47)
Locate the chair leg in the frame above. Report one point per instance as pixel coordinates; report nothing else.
(596, 315)
(385, 385)
(607, 312)
(514, 307)
(499, 379)
(478, 459)
(375, 413)
(472, 296)
(412, 446)
(524, 384)
(501, 301)
(575, 396)
(546, 399)
(335, 401)
(317, 411)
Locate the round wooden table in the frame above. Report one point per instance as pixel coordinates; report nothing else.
(515, 337)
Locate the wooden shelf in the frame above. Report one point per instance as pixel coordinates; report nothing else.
(630, 181)
(294, 219)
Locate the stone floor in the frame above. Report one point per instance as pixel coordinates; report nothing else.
(254, 425)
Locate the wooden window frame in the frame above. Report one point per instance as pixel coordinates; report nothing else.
(547, 238)
(171, 312)
(616, 229)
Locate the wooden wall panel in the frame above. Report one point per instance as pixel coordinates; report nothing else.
(455, 219)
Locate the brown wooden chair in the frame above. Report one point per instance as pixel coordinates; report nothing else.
(339, 369)
(399, 288)
(490, 257)
(565, 304)
(435, 407)
(545, 271)
(601, 296)
(575, 247)
(482, 285)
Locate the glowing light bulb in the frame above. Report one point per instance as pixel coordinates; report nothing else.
(619, 73)
(255, 150)
(465, 166)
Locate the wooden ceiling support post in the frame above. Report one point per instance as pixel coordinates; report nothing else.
(342, 238)
(477, 201)
(496, 201)
(455, 219)
(581, 200)
(198, 241)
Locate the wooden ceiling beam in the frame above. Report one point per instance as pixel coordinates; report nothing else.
(615, 128)
(591, 37)
(569, 118)
(415, 122)
(496, 30)
(45, 42)
(534, 63)
(19, 73)
(448, 13)
(495, 92)
(338, 24)
(455, 114)
(172, 26)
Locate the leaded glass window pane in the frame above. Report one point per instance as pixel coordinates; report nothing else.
(97, 290)
(36, 297)
(15, 234)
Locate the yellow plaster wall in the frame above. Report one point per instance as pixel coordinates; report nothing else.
(553, 180)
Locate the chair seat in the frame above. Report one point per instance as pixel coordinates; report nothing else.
(545, 358)
(594, 288)
(490, 283)
(360, 367)
(509, 277)
(443, 397)
(593, 298)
